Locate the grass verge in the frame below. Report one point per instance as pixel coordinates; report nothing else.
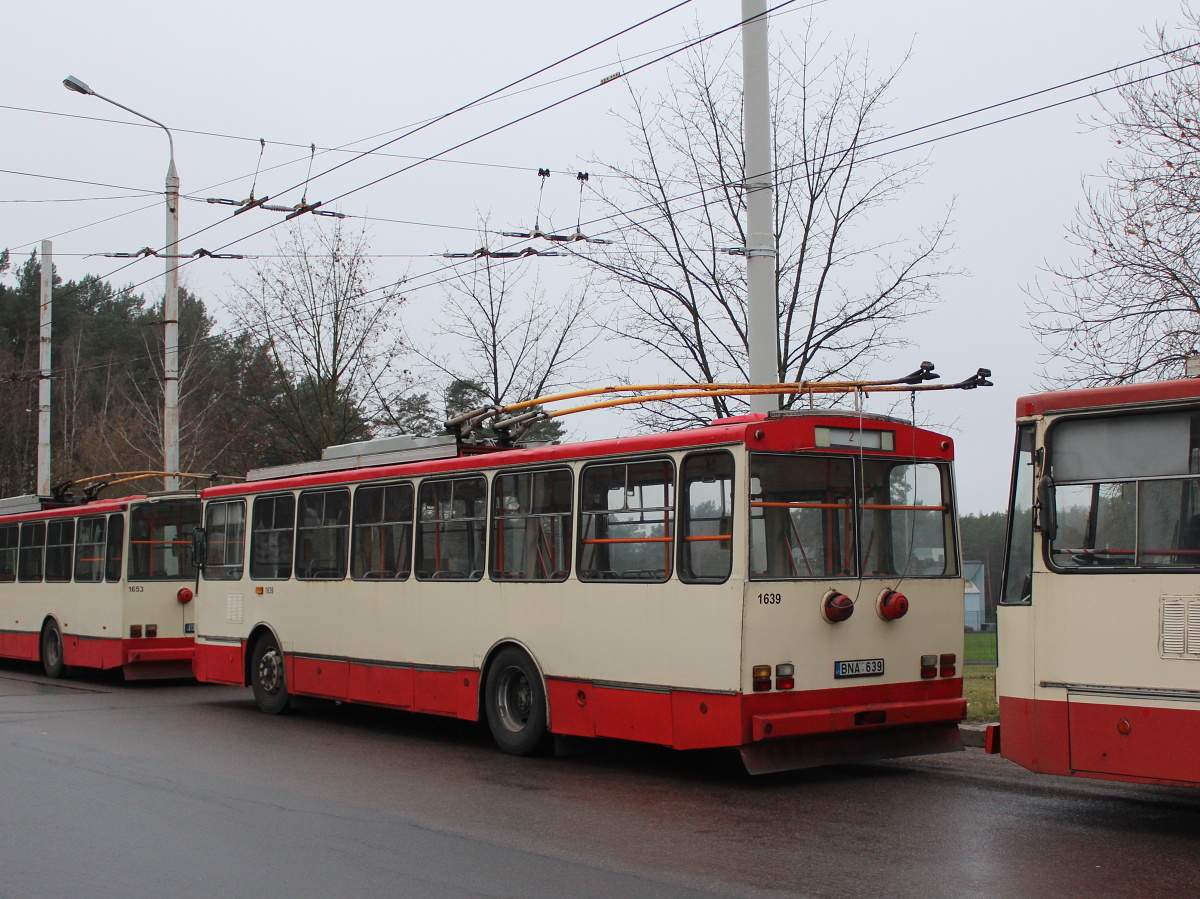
(979, 686)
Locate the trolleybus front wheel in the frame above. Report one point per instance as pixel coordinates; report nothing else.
(52, 650)
(515, 701)
(268, 676)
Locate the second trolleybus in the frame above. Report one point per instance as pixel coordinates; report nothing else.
(786, 584)
(1099, 619)
(103, 584)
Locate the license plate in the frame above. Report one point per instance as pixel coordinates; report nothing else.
(858, 668)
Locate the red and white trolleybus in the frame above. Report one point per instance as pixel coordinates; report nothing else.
(787, 584)
(1099, 621)
(99, 584)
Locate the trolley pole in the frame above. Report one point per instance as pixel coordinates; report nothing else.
(762, 326)
(43, 455)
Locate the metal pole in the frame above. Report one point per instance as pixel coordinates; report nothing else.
(762, 319)
(171, 335)
(170, 295)
(43, 456)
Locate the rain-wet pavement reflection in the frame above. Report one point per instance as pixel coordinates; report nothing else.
(343, 800)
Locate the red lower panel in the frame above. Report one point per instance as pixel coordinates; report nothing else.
(633, 715)
(705, 720)
(446, 692)
(217, 663)
(378, 685)
(571, 708)
(1034, 734)
(1134, 741)
(19, 646)
(92, 652)
(319, 677)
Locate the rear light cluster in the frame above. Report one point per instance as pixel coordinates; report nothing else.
(135, 630)
(944, 665)
(785, 677)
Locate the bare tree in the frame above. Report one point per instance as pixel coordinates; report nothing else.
(330, 340)
(1127, 305)
(680, 208)
(508, 341)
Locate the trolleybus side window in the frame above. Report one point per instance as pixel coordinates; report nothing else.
(116, 544)
(89, 550)
(225, 529)
(451, 525)
(626, 527)
(9, 539)
(1018, 566)
(271, 537)
(1125, 491)
(383, 529)
(801, 517)
(323, 535)
(531, 526)
(60, 546)
(33, 547)
(706, 507)
(160, 539)
(907, 528)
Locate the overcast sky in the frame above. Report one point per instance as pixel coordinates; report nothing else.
(304, 72)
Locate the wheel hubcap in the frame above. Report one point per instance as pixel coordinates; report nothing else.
(514, 699)
(270, 672)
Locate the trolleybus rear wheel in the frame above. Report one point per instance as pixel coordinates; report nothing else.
(268, 676)
(515, 701)
(52, 650)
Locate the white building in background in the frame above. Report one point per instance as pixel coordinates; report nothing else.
(974, 605)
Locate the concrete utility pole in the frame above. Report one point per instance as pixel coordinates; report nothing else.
(170, 297)
(762, 323)
(43, 455)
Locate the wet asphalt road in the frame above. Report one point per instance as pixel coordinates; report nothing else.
(143, 789)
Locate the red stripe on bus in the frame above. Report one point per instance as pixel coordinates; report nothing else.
(1107, 741)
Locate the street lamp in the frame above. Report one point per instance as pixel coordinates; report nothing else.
(170, 300)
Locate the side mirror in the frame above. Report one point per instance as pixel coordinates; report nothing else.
(199, 548)
(1047, 518)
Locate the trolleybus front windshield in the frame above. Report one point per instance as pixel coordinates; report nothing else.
(1126, 492)
(808, 521)
(160, 539)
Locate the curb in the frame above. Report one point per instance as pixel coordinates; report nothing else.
(974, 735)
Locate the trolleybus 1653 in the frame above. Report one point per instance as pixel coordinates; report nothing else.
(1099, 619)
(787, 584)
(99, 583)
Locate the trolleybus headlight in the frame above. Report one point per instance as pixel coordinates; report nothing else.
(929, 667)
(836, 607)
(947, 662)
(762, 678)
(184, 595)
(785, 676)
(891, 604)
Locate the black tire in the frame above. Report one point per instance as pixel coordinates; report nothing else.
(52, 650)
(268, 676)
(515, 702)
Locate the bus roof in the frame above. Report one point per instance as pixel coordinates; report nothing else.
(1100, 397)
(782, 432)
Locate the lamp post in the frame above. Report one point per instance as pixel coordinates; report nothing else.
(762, 319)
(170, 298)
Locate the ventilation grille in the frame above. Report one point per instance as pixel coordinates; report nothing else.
(233, 609)
(1180, 627)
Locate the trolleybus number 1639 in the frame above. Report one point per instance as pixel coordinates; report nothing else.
(858, 668)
